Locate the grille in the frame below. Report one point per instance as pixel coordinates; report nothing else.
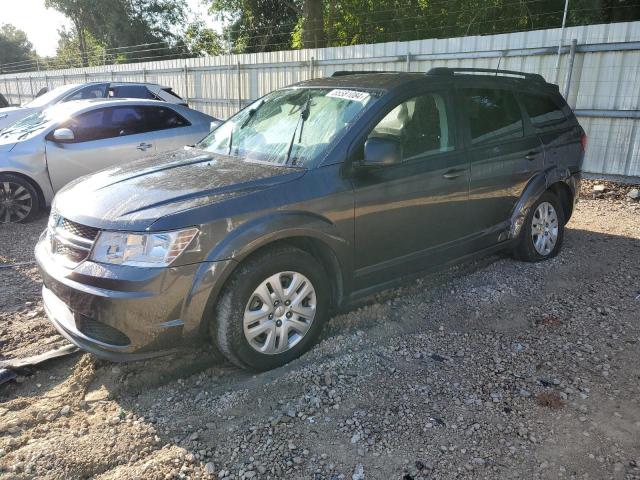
(70, 241)
(70, 253)
(100, 331)
(74, 228)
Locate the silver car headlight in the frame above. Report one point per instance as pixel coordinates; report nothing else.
(156, 249)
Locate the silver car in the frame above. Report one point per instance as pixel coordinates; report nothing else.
(46, 150)
(85, 91)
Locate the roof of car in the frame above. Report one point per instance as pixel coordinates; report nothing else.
(77, 105)
(368, 80)
(371, 80)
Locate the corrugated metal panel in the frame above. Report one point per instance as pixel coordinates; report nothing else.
(600, 80)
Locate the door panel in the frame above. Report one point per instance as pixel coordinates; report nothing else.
(406, 212)
(67, 161)
(504, 153)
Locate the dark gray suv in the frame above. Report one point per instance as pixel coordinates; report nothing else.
(311, 197)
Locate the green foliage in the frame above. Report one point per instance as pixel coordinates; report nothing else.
(201, 40)
(14, 47)
(258, 25)
(116, 24)
(350, 22)
(68, 51)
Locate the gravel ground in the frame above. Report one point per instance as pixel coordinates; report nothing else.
(495, 369)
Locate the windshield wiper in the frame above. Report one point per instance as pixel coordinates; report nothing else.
(251, 114)
(304, 115)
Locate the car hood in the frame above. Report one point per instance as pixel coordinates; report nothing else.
(132, 197)
(10, 115)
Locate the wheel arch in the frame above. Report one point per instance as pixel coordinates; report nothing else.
(41, 198)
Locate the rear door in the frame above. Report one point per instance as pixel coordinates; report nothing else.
(559, 132)
(171, 130)
(505, 154)
(103, 137)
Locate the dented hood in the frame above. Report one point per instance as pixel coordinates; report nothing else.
(134, 196)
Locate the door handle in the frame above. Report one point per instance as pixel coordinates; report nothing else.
(144, 146)
(531, 156)
(454, 173)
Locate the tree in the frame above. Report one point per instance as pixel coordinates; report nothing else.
(117, 24)
(258, 25)
(68, 52)
(14, 48)
(202, 40)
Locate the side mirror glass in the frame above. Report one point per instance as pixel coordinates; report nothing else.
(63, 135)
(382, 152)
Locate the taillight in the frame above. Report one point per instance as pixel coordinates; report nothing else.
(583, 142)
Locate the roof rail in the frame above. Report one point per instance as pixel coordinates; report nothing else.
(452, 71)
(343, 73)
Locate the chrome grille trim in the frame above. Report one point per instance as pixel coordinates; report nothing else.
(70, 242)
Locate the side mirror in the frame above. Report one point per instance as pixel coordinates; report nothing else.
(214, 124)
(382, 152)
(63, 135)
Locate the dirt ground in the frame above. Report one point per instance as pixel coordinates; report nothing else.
(495, 369)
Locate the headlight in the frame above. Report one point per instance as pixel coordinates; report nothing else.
(141, 249)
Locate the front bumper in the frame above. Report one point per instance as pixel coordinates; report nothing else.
(128, 313)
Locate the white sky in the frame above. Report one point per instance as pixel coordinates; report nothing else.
(41, 25)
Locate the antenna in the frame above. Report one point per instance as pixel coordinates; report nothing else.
(498, 67)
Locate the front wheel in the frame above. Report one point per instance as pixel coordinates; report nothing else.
(272, 309)
(543, 231)
(18, 199)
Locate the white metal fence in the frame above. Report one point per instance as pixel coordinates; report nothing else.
(600, 76)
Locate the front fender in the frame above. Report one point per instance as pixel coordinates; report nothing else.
(258, 232)
(223, 259)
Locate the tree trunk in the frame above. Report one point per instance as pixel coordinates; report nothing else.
(313, 33)
(82, 43)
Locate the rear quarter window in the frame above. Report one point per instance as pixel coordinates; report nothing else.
(542, 110)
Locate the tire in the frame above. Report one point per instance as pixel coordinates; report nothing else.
(19, 200)
(240, 311)
(541, 245)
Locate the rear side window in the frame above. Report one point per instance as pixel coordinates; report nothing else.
(494, 115)
(163, 118)
(131, 91)
(542, 110)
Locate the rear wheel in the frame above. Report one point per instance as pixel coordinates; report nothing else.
(18, 199)
(543, 231)
(272, 309)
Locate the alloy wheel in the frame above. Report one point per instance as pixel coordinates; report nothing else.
(544, 228)
(16, 202)
(279, 312)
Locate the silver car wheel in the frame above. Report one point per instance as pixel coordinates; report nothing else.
(279, 312)
(544, 228)
(15, 202)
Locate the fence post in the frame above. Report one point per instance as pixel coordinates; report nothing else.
(19, 96)
(311, 67)
(31, 86)
(144, 75)
(408, 62)
(239, 88)
(567, 78)
(186, 82)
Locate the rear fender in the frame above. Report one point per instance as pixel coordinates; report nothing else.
(532, 192)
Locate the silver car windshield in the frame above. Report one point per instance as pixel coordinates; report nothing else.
(28, 126)
(289, 127)
(50, 96)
